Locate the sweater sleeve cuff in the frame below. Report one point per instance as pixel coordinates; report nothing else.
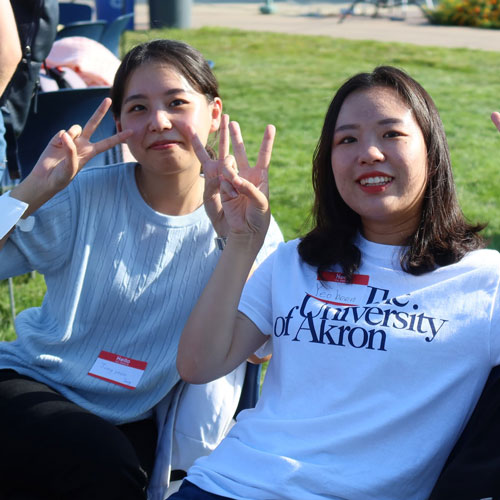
(11, 210)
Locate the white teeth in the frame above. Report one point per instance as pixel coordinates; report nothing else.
(372, 181)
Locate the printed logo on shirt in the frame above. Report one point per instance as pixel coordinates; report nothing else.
(334, 316)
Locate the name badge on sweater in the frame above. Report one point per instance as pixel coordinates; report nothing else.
(118, 370)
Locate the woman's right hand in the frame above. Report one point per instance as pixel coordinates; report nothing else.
(69, 151)
(65, 155)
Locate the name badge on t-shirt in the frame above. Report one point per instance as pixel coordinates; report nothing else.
(118, 370)
(337, 293)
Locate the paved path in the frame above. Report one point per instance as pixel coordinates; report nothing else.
(321, 18)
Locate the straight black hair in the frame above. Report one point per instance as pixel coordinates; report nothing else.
(443, 235)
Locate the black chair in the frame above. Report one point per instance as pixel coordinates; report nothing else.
(473, 466)
(70, 12)
(54, 111)
(251, 388)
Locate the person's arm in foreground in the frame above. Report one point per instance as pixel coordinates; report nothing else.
(216, 338)
(10, 45)
(64, 156)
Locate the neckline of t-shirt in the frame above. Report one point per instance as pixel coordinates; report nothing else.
(388, 255)
(163, 219)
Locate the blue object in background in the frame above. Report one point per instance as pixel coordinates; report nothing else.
(112, 33)
(70, 12)
(88, 29)
(109, 10)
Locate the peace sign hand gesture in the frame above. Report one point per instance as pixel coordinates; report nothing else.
(245, 189)
(236, 194)
(68, 151)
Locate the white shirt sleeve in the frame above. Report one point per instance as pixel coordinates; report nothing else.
(11, 211)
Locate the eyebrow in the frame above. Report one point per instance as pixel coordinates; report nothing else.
(353, 126)
(133, 97)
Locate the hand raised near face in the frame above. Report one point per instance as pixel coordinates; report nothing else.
(236, 194)
(245, 189)
(68, 151)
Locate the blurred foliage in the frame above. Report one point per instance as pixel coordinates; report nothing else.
(475, 13)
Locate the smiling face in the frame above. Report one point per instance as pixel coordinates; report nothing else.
(379, 162)
(158, 106)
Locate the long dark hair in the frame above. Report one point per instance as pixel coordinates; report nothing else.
(443, 235)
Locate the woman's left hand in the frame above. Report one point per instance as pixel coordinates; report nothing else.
(228, 166)
(245, 189)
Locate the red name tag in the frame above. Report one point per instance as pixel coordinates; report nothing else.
(357, 279)
(118, 370)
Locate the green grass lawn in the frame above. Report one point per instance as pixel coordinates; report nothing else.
(289, 80)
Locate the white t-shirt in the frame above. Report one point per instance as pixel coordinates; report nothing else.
(370, 383)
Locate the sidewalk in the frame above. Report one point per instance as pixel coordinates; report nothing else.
(321, 18)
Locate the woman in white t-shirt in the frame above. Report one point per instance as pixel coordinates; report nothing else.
(382, 320)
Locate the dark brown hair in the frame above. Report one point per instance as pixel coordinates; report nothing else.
(443, 236)
(186, 60)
